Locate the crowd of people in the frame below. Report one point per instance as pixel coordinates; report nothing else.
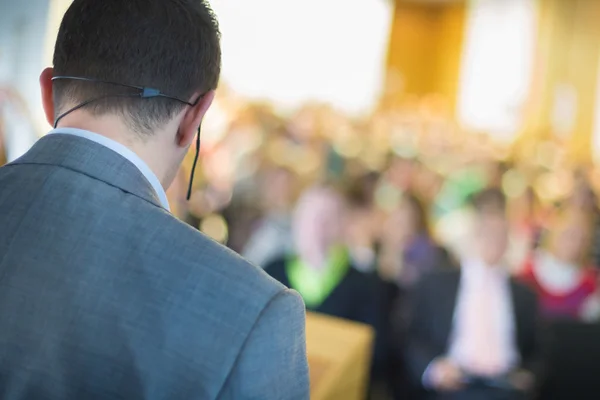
(378, 226)
(389, 245)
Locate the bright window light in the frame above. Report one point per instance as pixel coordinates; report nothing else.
(291, 52)
(497, 65)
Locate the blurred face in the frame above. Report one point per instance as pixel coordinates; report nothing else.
(491, 237)
(400, 173)
(278, 189)
(359, 227)
(583, 197)
(571, 242)
(401, 225)
(318, 226)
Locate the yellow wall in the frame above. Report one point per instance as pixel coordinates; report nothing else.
(412, 45)
(567, 55)
(425, 50)
(451, 22)
(425, 55)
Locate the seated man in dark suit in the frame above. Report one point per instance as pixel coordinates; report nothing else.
(322, 269)
(472, 333)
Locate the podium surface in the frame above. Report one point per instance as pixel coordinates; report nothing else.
(339, 357)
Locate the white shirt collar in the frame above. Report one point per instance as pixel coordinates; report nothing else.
(474, 268)
(467, 318)
(124, 152)
(555, 275)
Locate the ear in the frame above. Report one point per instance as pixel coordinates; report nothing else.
(47, 94)
(193, 119)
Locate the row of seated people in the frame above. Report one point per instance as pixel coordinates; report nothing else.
(474, 332)
(461, 331)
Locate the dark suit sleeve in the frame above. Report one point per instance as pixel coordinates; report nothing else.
(419, 352)
(272, 364)
(535, 358)
(371, 311)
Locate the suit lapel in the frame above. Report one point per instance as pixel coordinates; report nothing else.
(516, 299)
(448, 307)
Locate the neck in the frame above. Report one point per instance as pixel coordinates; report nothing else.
(482, 262)
(113, 128)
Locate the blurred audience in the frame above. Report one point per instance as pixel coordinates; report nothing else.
(407, 248)
(362, 231)
(473, 333)
(379, 242)
(526, 228)
(322, 271)
(561, 272)
(584, 198)
(272, 236)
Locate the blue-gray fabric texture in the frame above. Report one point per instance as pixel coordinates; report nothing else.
(106, 295)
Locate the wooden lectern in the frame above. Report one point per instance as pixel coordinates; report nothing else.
(339, 357)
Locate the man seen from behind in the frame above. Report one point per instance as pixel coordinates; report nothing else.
(103, 293)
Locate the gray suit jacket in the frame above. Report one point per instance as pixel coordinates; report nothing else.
(105, 295)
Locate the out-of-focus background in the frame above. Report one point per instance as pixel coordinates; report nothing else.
(399, 111)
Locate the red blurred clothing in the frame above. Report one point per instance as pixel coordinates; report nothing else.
(564, 290)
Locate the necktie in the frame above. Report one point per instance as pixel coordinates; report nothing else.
(485, 355)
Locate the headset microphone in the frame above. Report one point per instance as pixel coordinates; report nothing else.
(142, 92)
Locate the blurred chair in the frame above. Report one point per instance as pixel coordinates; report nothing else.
(574, 358)
(339, 356)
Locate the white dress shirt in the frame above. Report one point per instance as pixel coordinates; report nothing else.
(559, 278)
(554, 275)
(124, 152)
(482, 341)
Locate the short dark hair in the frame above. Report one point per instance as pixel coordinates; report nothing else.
(360, 191)
(419, 210)
(169, 45)
(491, 200)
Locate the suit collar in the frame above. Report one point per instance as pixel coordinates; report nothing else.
(473, 268)
(92, 159)
(450, 291)
(125, 152)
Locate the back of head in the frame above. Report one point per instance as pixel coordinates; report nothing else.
(169, 45)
